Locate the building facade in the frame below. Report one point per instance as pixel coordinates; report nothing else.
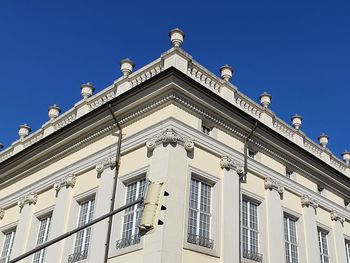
(186, 127)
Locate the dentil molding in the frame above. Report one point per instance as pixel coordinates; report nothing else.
(273, 184)
(307, 201)
(170, 136)
(228, 163)
(30, 198)
(66, 181)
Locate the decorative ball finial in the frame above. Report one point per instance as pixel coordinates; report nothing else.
(296, 121)
(176, 37)
(323, 139)
(346, 156)
(87, 90)
(54, 112)
(126, 66)
(23, 131)
(265, 99)
(226, 72)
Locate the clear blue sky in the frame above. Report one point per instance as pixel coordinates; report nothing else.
(298, 51)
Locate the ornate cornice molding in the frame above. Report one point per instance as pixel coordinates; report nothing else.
(170, 136)
(228, 163)
(30, 198)
(66, 181)
(273, 184)
(2, 213)
(307, 201)
(108, 162)
(335, 216)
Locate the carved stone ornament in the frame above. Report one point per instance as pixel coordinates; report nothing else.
(30, 198)
(307, 201)
(170, 136)
(336, 217)
(2, 213)
(272, 184)
(68, 180)
(109, 162)
(228, 163)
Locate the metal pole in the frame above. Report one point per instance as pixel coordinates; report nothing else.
(63, 236)
(117, 165)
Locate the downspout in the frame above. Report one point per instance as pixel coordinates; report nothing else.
(117, 165)
(243, 179)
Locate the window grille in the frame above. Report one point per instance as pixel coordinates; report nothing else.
(199, 216)
(323, 244)
(82, 238)
(130, 231)
(43, 234)
(291, 243)
(347, 246)
(7, 246)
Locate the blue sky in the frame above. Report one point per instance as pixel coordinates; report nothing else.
(298, 51)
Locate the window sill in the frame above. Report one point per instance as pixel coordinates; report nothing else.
(204, 250)
(126, 250)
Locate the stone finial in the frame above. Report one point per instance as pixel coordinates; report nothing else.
(265, 99)
(296, 121)
(335, 216)
(2, 213)
(229, 163)
(66, 181)
(87, 90)
(226, 72)
(23, 131)
(54, 111)
(323, 140)
(273, 184)
(177, 37)
(307, 201)
(126, 66)
(346, 156)
(170, 136)
(30, 198)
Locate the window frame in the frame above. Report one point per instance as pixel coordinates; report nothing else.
(6, 232)
(321, 249)
(347, 249)
(289, 242)
(41, 253)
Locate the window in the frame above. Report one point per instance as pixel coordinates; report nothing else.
(82, 238)
(250, 231)
(290, 237)
(347, 246)
(320, 190)
(289, 173)
(7, 246)
(206, 129)
(323, 243)
(199, 216)
(42, 238)
(130, 231)
(251, 153)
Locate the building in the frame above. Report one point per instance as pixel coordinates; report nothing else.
(184, 126)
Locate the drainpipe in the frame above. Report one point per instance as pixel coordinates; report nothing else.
(243, 179)
(117, 165)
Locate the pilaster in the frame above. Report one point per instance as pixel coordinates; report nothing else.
(309, 206)
(338, 236)
(60, 215)
(275, 233)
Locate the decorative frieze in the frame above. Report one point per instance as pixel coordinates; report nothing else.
(335, 216)
(229, 163)
(170, 136)
(273, 184)
(307, 201)
(109, 162)
(2, 213)
(66, 181)
(30, 198)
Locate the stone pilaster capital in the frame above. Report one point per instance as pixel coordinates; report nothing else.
(228, 163)
(273, 184)
(2, 213)
(30, 198)
(335, 216)
(307, 201)
(66, 181)
(108, 162)
(170, 136)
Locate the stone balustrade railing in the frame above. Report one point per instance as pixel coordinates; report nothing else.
(6, 154)
(33, 138)
(282, 128)
(143, 75)
(337, 164)
(312, 147)
(204, 77)
(101, 99)
(65, 119)
(247, 105)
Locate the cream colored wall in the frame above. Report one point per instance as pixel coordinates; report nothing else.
(291, 202)
(254, 185)
(128, 163)
(206, 162)
(306, 182)
(134, 257)
(45, 200)
(11, 216)
(86, 182)
(335, 198)
(189, 256)
(230, 141)
(323, 217)
(346, 228)
(272, 164)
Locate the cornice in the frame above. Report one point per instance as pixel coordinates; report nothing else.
(30, 198)
(66, 181)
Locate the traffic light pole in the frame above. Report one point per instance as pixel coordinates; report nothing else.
(61, 237)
